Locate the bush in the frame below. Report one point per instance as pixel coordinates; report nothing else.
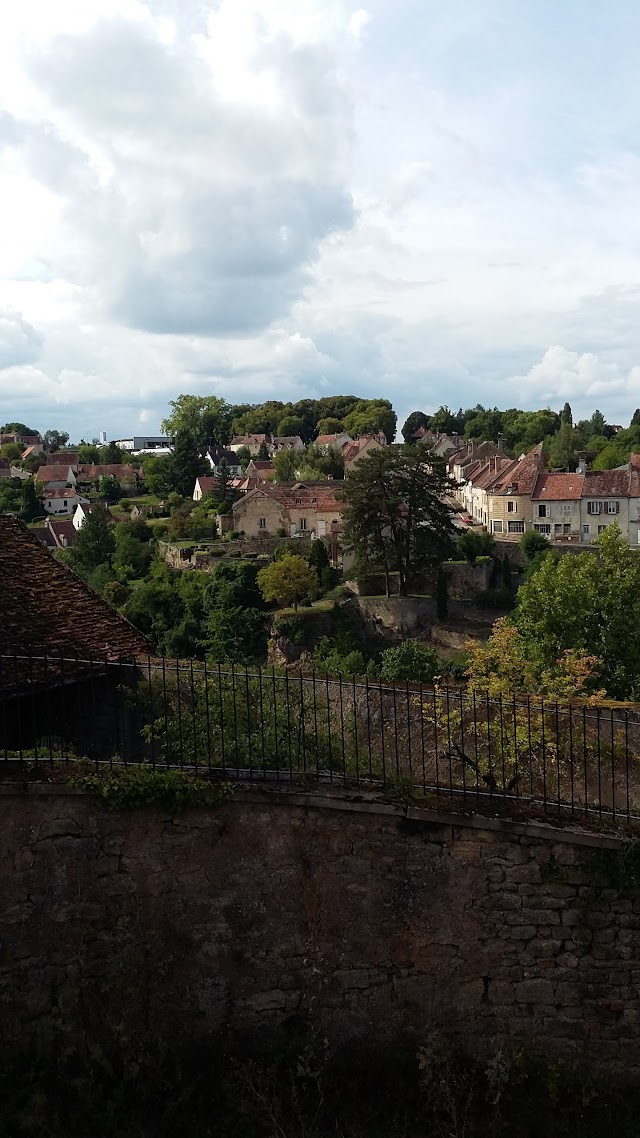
(532, 543)
(473, 545)
(294, 628)
(413, 661)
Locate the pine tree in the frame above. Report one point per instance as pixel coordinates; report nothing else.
(184, 465)
(95, 543)
(31, 504)
(263, 453)
(395, 512)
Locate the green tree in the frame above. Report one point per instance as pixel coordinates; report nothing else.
(443, 421)
(235, 628)
(184, 465)
(115, 593)
(131, 557)
(532, 543)
(329, 426)
(325, 462)
(290, 425)
(442, 595)
(18, 429)
(473, 545)
(12, 451)
(319, 557)
(374, 415)
(286, 464)
(243, 454)
(586, 604)
(31, 503)
(413, 423)
(11, 496)
(635, 418)
(565, 447)
(109, 488)
(89, 453)
(206, 418)
(111, 455)
(412, 660)
(52, 440)
(507, 576)
(95, 542)
(395, 515)
(286, 581)
(263, 452)
(566, 415)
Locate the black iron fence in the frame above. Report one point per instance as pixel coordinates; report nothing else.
(268, 724)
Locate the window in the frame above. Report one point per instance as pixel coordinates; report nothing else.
(566, 529)
(65, 502)
(586, 530)
(557, 528)
(298, 501)
(601, 529)
(612, 507)
(593, 507)
(512, 507)
(314, 501)
(262, 523)
(542, 528)
(497, 526)
(542, 510)
(566, 509)
(303, 523)
(516, 527)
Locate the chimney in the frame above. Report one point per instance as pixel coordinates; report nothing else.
(500, 445)
(581, 468)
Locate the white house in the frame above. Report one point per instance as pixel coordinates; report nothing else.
(84, 508)
(59, 500)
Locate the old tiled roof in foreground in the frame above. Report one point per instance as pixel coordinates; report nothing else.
(46, 608)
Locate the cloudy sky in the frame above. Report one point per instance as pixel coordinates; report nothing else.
(433, 202)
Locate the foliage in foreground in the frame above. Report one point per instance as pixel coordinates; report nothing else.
(132, 788)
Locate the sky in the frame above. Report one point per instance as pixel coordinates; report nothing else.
(429, 202)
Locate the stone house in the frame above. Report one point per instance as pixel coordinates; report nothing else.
(338, 439)
(288, 442)
(510, 508)
(253, 442)
(610, 496)
(352, 452)
(556, 505)
(289, 508)
(261, 468)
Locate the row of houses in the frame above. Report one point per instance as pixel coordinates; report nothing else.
(64, 484)
(513, 496)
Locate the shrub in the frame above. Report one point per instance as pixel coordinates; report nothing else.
(473, 545)
(532, 543)
(412, 661)
(297, 629)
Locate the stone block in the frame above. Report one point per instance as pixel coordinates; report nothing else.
(539, 991)
(268, 1001)
(59, 828)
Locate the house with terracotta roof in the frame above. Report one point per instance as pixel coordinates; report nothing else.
(355, 450)
(260, 468)
(88, 474)
(56, 533)
(290, 508)
(33, 451)
(610, 496)
(62, 500)
(462, 463)
(338, 439)
(556, 505)
(55, 476)
(252, 442)
(510, 508)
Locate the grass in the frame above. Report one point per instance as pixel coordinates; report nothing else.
(306, 610)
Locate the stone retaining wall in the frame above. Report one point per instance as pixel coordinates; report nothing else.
(366, 919)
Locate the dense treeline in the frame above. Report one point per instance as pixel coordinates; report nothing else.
(604, 444)
(212, 420)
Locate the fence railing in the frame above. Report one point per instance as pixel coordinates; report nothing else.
(268, 724)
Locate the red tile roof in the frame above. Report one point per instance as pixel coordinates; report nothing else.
(64, 532)
(559, 487)
(607, 483)
(46, 607)
(294, 495)
(58, 473)
(329, 440)
(61, 492)
(207, 483)
(522, 475)
(489, 472)
(119, 470)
